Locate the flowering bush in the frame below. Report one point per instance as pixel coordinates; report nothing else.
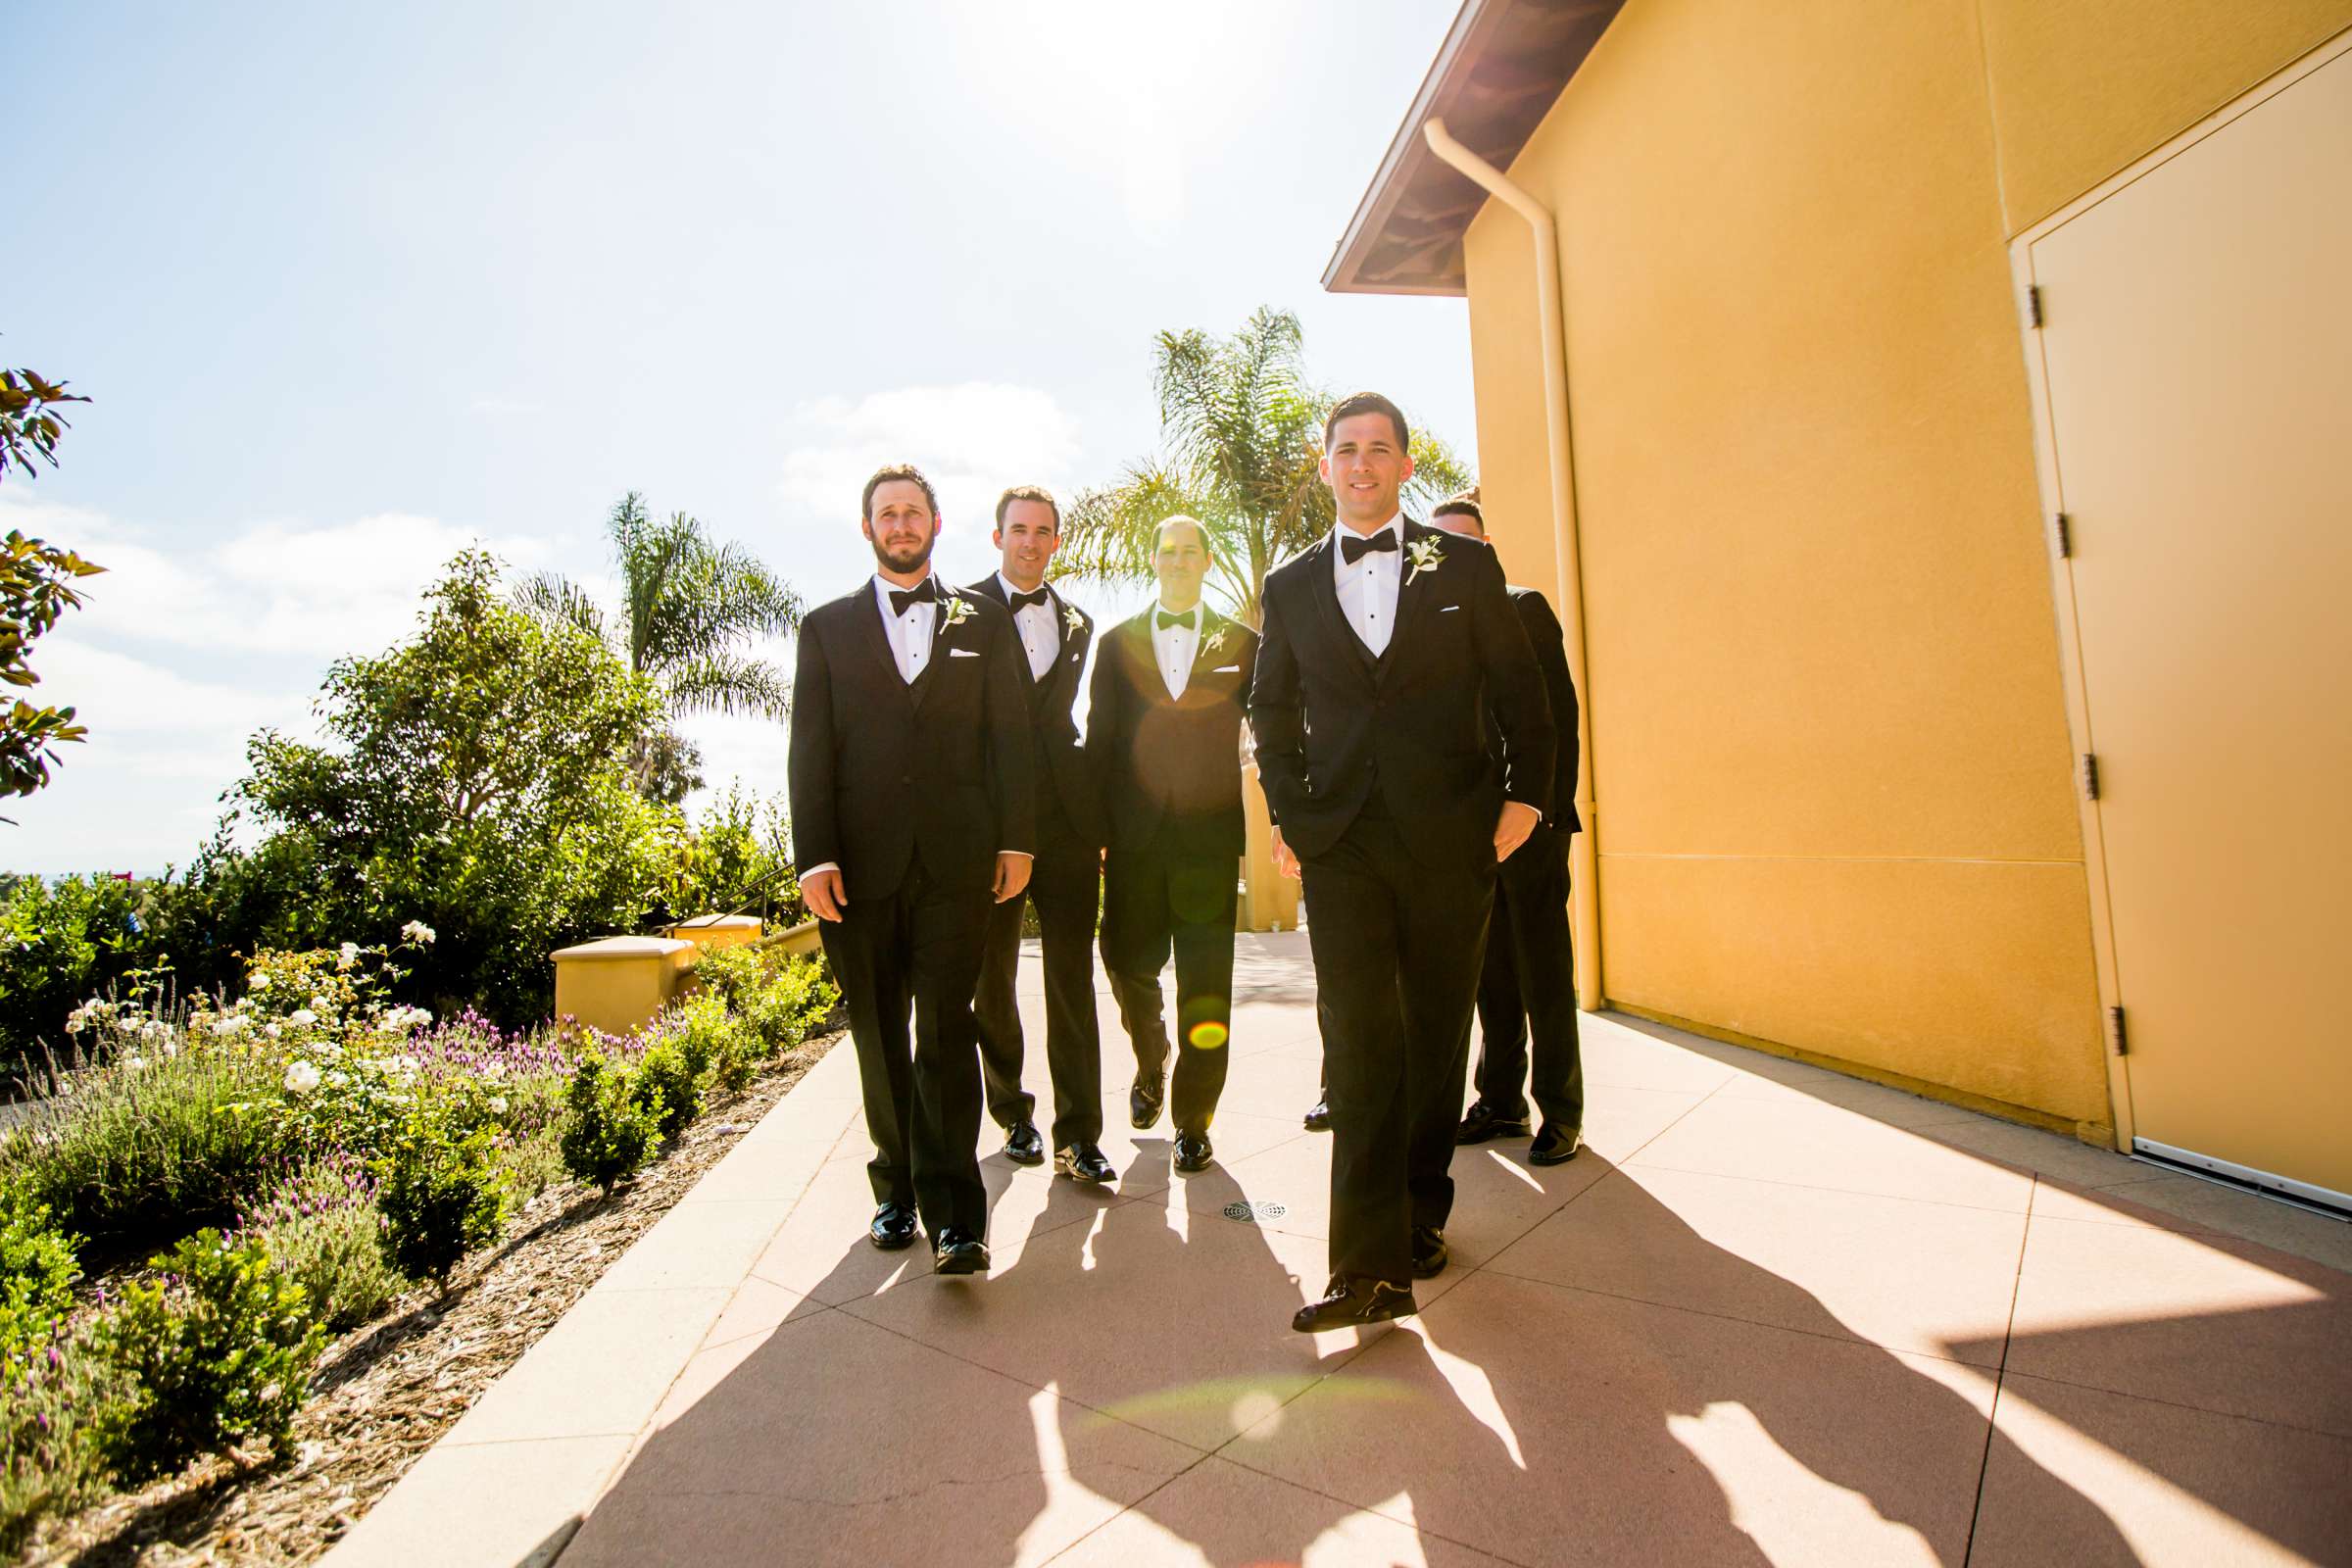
(52, 1405)
(216, 1354)
(611, 1128)
(780, 998)
(322, 1226)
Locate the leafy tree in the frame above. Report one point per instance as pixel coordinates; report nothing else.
(1240, 436)
(36, 585)
(688, 607)
(480, 781)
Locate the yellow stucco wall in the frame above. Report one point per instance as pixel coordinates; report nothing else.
(1835, 788)
(2082, 88)
(1833, 772)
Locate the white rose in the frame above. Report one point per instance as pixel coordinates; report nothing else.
(347, 956)
(302, 1078)
(302, 1017)
(498, 1105)
(419, 932)
(323, 1003)
(328, 1050)
(258, 980)
(273, 1028)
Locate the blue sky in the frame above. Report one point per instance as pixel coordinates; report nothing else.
(354, 285)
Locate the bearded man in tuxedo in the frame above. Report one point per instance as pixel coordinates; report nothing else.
(1526, 987)
(912, 814)
(1065, 881)
(1163, 726)
(1385, 643)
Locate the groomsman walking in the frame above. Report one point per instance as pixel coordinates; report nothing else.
(912, 814)
(1527, 986)
(1385, 643)
(1065, 881)
(1164, 728)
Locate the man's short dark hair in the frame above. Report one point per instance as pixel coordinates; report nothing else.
(1366, 403)
(896, 470)
(1464, 504)
(1028, 492)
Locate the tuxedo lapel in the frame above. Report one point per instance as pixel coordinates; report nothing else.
(875, 640)
(1414, 590)
(943, 633)
(996, 590)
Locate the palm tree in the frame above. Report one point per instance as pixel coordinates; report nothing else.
(688, 607)
(1241, 433)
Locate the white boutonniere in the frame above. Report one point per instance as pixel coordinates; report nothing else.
(1072, 619)
(1215, 641)
(1426, 556)
(953, 610)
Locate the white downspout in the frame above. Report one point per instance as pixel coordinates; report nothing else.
(1584, 886)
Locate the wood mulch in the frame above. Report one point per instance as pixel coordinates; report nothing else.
(386, 1392)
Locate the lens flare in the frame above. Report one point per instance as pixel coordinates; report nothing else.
(1208, 1035)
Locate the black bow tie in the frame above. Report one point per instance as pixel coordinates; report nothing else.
(926, 592)
(1021, 602)
(1166, 620)
(1353, 549)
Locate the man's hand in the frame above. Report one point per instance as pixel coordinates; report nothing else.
(1511, 828)
(1283, 860)
(825, 896)
(1012, 874)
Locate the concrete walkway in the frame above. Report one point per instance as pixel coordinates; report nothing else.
(1772, 1314)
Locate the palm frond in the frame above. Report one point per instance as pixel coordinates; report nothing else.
(557, 600)
(730, 682)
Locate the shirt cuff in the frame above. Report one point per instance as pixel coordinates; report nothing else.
(1023, 853)
(828, 865)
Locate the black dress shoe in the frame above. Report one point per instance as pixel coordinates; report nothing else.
(893, 1227)
(1429, 1252)
(1022, 1146)
(1084, 1162)
(1193, 1151)
(1484, 1121)
(956, 1251)
(1318, 1119)
(1556, 1146)
(1353, 1303)
(1144, 1101)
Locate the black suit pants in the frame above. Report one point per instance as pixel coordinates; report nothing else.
(1065, 882)
(1397, 948)
(1528, 987)
(916, 948)
(1155, 904)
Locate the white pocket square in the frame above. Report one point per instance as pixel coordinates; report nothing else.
(963, 653)
(1226, 669)
(1448, 609)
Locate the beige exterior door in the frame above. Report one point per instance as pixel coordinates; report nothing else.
(2197, 349)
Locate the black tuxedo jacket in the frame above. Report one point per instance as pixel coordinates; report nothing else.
(1332, 720)
(1069, 807)
(884, 772)
(1550, 646)
(1171, 767)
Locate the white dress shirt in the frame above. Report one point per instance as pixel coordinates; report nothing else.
(909, 634)
(1175, 646)
(1040, 628)
(909, 637)
(1368, 588)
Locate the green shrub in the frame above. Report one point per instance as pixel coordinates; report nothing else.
(666, 1084)
(38, 1271)
(52, 1409)
(153, 1144)
(610, 1129)
(779, 999)
(440, 1196)
(217, 1352)
(322, 1228)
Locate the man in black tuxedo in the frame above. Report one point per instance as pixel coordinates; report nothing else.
(1164, 729)
(912, 812)
(1527, 985)
(1385, 643)
(1065, 880)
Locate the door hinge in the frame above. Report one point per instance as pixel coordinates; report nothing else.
(2066, 536)
(2033, 304)
(2090, 776)
(2115, 1036)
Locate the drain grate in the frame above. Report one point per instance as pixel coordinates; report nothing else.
(1253, 1213)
